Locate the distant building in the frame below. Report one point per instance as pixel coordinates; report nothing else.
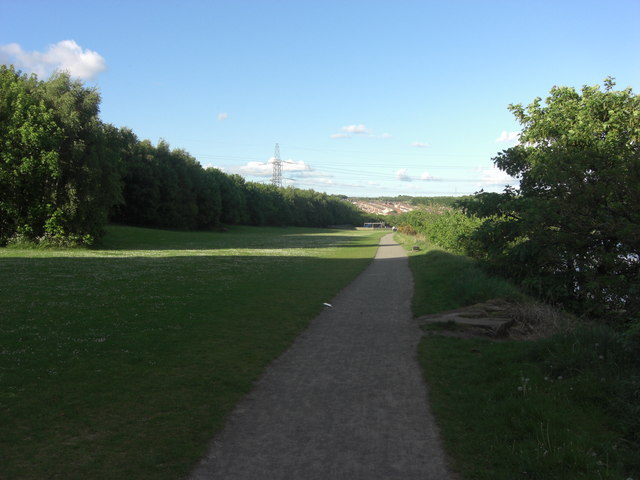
(383, 208)
(374, 225)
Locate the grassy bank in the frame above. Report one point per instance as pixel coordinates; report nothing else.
(445, 281)
(121, 362)
(565, 407)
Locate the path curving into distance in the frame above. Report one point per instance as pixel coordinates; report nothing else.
(346, 401)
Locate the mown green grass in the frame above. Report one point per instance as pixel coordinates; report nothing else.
(122, 361)
(545, 409)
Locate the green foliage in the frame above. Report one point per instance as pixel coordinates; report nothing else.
(442, 226)
(435, 201)
(407, 229)
(572, 230)
(166, 188)
(58, 173)
(444, 281)
(169, 189)
(452, 231)
(565, 407)
(420, 220)
(63, 174)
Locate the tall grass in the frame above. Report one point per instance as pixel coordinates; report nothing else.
(445, 281)
(121, 362)
(563, 407)
(504, 416)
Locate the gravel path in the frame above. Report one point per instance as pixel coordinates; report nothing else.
(346, 401)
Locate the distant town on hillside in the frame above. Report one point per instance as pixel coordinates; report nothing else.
(400, 204)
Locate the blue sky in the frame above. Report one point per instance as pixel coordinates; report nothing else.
(364, 98)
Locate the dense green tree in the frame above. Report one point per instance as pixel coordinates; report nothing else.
(232, 196)
(572, 228)
(30, 167)
(59, 174)
(167, 188)
(266, 205)
(208, 200)
(141, 189)
(89, 180)
(63, 172)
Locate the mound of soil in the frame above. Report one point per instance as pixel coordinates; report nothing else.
(497, 319)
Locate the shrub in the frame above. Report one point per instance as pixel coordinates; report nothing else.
(447, 228)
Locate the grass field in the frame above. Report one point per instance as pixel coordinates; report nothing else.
(565, 408)
(122, 361)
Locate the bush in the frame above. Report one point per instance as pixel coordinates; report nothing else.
(452, 231)
(407, 230)
(447, 228)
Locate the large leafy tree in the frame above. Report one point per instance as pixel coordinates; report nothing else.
(59, 173)
(29, 157)
(572, 228)
(89, 159)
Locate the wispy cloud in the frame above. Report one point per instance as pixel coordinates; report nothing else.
(420, 145)
(427, 177)
(508, 137)
(357, 129)
(495, 177)
(223, 116)
(255, 169)
(65, 55)
(403, 175)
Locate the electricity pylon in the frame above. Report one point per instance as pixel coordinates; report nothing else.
(276, 178)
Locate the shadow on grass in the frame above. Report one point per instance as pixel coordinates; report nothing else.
(445, 281)
(135, 238)
(124, 367)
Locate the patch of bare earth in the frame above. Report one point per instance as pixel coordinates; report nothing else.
(498, 319)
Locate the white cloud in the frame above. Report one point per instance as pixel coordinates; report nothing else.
(65, 55)
(321, 181)
(256, 169)
(349, 130)
(420, 145)
(310, 174)
(357, 129)
(427, 177)
(496, 177)
(507, 137)
(291, 166)
(403, 175)
(223, 116)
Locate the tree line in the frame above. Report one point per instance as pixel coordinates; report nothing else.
(570, 232)
(64, 174)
